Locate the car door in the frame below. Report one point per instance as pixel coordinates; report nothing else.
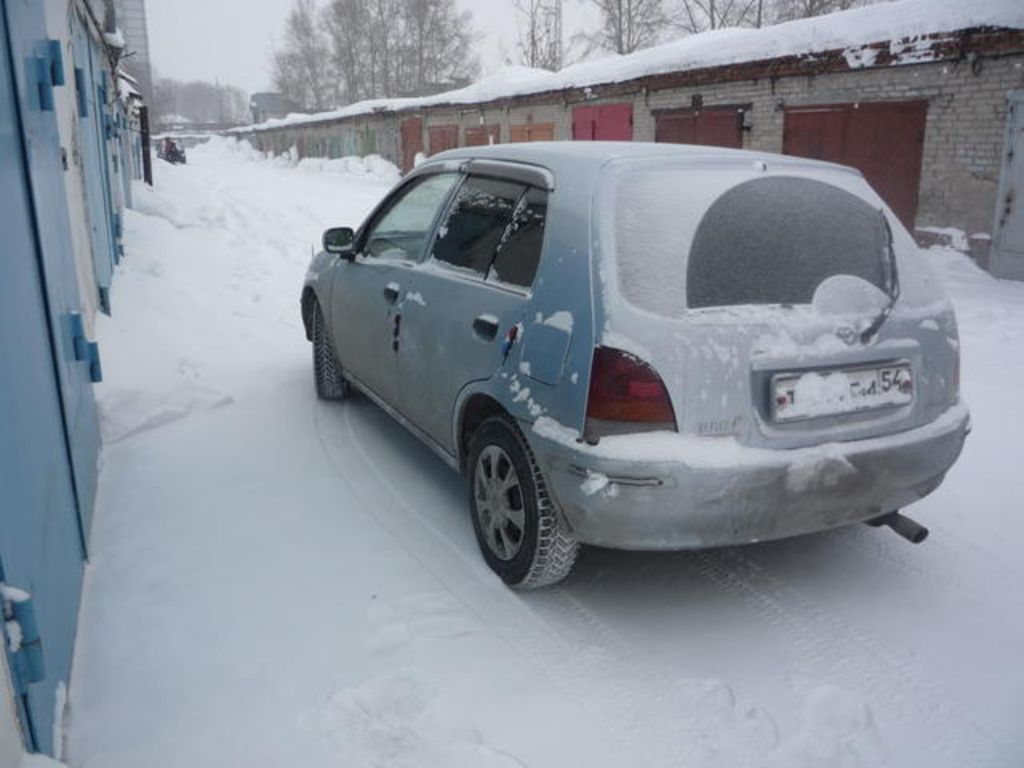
(471, 289)
(367, 292)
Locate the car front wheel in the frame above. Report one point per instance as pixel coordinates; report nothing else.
(514, 517)
(330, 385)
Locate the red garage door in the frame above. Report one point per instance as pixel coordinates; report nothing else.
(482, 135)
(883, 139)
(713, 127)
(607, 122)
(443, 137)
(412, 142)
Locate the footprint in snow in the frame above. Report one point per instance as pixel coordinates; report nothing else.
(434, 616)
(397, 720)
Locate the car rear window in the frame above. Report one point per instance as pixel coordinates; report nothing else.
(775, 240)
(719, 237)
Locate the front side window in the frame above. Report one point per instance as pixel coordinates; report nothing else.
(401, 231)
(476, 223)
(519, 250)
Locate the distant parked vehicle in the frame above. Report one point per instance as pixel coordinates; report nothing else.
(171, 151)
(645, 346)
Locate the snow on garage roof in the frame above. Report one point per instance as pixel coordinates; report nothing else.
(906, 21)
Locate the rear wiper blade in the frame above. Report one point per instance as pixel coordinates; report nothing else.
(893, 284)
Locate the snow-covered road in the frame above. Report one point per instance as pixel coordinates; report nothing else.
(279, 581)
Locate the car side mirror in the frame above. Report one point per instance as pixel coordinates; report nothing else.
(340, 240)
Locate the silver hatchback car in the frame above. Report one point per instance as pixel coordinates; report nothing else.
(645, 346)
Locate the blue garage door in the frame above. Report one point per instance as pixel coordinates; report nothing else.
(90, 118)
(48, 432)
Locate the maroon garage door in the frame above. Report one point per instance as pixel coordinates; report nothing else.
(482, 135)
(608, 122)
(721, 127)
(412, 141)
(883, 139)
(443, 137)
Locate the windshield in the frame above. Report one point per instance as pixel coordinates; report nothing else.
(694, 239)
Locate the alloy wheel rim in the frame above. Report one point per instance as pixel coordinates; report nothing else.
(499, 502)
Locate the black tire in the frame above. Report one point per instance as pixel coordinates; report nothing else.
(330, 385)
(541, 551)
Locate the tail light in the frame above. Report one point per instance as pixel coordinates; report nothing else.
(626, 395)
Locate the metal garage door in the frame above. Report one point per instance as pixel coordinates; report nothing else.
(718, 127)
(518, 134)
(607, 122)
(443, 137)
(482, 135)
(48, 433)
(884, 140)
(412, 141)
(93, 159)
(1008, 237)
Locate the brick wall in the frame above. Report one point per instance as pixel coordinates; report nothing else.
(963, 139)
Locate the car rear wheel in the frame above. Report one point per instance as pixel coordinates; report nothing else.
(514, 517)
(330, 385)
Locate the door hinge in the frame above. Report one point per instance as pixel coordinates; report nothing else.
(85, 350)
(21, 634)
(49, 73)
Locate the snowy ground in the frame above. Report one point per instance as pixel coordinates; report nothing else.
(277, 581)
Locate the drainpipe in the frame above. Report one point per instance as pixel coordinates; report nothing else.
(109, 17)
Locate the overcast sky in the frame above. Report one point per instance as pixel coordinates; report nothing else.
(231, 40)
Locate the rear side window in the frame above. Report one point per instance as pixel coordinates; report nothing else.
(476, 222)
(774, 240)
(520, 247)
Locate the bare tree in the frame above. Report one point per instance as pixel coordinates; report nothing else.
(198, 102)
(301, 69)
(628, 25)
(398, 47)
(540, 33)
(786, 10)
(701, 15)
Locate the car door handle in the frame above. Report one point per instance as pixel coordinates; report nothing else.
(391, 292)
(486, 327)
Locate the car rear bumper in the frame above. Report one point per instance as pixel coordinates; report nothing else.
(675, 492)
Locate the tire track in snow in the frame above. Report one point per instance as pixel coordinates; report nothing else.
(575, 648)
(533, 641)
(666, 717)
(947, 576)
(857, 660)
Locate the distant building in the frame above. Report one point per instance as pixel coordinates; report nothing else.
(268, 105)
(131, 20)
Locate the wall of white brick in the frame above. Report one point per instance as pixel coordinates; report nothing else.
(963, 139)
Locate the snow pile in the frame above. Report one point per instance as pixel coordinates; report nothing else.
(115, 39)
(372, 167)
(209, 247)
(907, 23)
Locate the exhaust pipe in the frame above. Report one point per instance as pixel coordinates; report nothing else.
(911, 530)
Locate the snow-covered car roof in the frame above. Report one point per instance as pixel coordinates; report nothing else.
(588, 156)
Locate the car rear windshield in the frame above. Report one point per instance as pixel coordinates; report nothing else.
(689, 240)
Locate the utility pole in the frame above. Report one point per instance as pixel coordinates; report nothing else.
(558, 50)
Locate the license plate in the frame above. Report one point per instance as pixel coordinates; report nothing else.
(827, 393)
